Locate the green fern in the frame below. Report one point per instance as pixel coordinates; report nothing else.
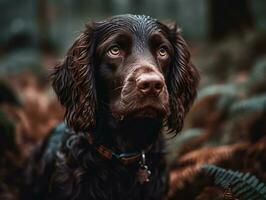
(254, 104)
(243, 185)
(184, 137)
(226, 89)
(259, 71)
(19, 61)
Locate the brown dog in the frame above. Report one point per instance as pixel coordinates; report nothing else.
(124, 80)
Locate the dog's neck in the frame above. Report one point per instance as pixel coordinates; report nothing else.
(128, 135)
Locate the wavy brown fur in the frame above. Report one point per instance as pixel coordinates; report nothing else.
(183, 82)
(73, 81)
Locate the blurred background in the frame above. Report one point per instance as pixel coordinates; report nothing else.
(226, 126)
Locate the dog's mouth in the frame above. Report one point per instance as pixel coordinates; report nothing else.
(148, 112)
(133, 105)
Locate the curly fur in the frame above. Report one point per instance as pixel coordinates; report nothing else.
(73, 81)
(182, 83)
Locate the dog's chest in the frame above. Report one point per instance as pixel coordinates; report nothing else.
(122, 183)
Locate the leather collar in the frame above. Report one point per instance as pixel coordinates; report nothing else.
(124, 158)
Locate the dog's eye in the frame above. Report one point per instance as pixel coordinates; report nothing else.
(162, 52)
(114, 51)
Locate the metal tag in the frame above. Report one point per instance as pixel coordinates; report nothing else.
(144, 172)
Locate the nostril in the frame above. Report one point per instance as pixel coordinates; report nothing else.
(144, 86)
(158, 86)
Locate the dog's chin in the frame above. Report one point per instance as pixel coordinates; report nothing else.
(142, 128)
(143, 122)
(151, 112)
(148, 112)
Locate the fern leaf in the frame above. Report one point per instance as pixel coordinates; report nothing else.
(243, 185)
(255, 104)
(184, 137)
(259, 71)
(226, 89)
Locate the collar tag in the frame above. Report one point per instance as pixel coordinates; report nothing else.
(144, 173)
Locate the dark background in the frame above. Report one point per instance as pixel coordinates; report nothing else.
(225, 127)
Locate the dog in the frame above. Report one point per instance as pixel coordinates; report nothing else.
(125, 82)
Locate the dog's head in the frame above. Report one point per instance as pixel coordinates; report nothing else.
(132, 66)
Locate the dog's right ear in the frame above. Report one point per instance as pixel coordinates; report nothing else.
(73, 81)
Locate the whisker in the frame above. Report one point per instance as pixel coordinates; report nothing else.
(117, 88)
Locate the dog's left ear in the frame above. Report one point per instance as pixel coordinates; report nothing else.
(74, 84)
(183, 79)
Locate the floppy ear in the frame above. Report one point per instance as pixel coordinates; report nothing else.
(73, 81)
(182, 82)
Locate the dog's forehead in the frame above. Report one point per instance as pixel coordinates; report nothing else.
(139, 25)
(135, 21)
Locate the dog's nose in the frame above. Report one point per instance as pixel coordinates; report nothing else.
(150, 83)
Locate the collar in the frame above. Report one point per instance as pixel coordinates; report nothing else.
(124, 158)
